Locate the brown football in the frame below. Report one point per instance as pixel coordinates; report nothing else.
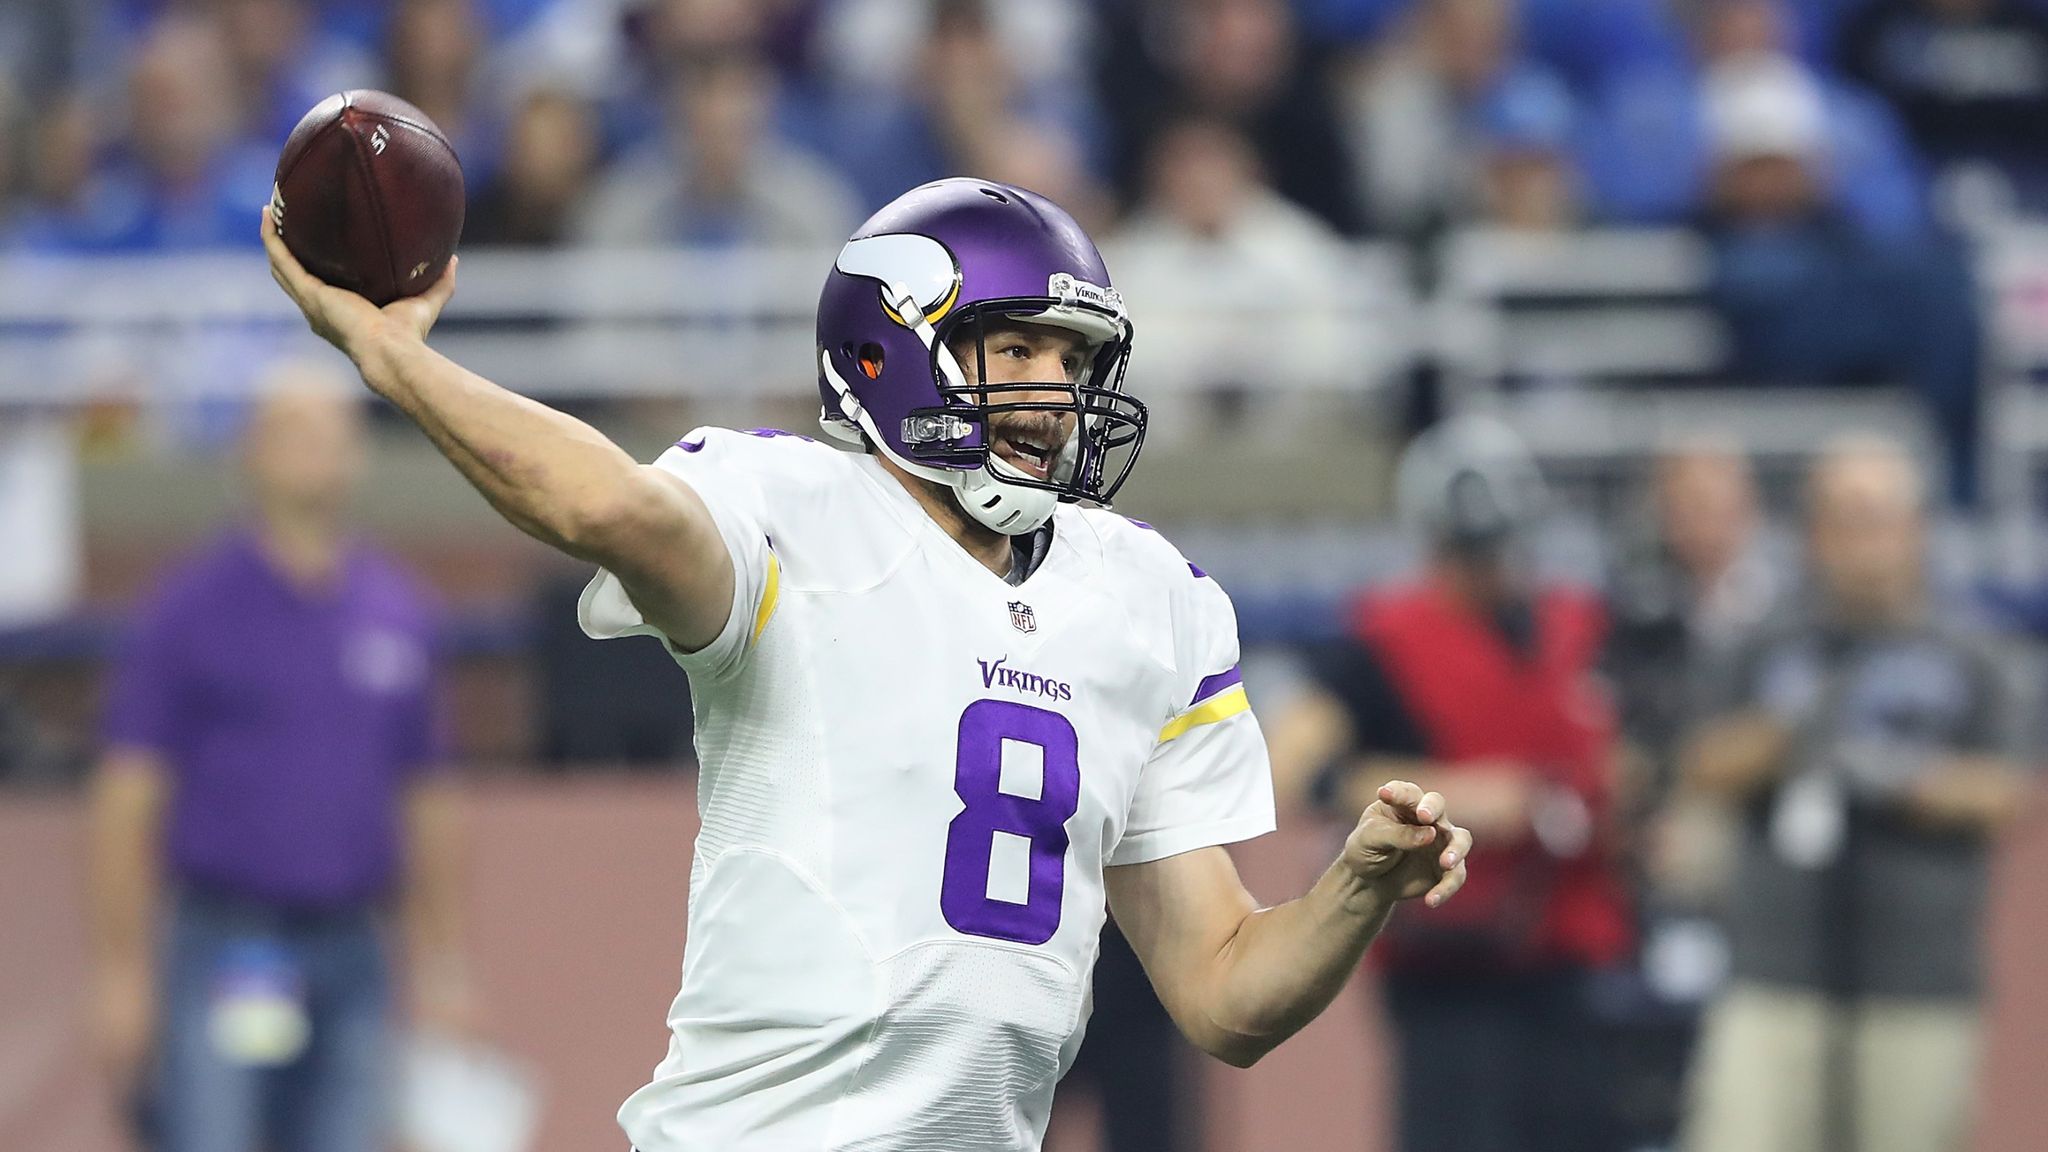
(369, 195)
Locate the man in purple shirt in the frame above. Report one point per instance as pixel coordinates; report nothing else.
(268, 793)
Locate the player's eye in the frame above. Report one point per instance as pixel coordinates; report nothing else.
(1072, 364)
(1014, 351)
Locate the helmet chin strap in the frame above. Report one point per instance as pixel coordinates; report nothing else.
(982, 493)
(1010, 509)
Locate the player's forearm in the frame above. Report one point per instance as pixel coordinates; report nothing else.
(126, 807)
(551, 475)
(1285, 964)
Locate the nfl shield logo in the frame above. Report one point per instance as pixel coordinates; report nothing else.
(1021, 618)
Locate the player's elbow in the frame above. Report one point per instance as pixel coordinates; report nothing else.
(1236, 1050)
(1239, 1042)
(605, 521)
(640, 513)
(591, 527)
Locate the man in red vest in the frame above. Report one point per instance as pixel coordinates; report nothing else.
(1482, 686)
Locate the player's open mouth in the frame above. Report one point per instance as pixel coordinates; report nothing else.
(1028, 453)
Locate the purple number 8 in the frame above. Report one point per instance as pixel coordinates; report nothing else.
(970, 839)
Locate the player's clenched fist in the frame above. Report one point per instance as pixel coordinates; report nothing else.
(1406, 845)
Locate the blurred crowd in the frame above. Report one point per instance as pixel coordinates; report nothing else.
(1835, 152)
(148, 124)
(1739, 806)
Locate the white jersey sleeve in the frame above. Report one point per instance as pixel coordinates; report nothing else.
(724, 468)
(1208, 780)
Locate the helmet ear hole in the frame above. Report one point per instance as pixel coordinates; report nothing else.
(870, 360)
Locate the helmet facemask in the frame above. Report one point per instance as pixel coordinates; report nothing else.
(1103, 427)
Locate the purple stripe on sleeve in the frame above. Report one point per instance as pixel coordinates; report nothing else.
(687, 445)
(1210, 686)
(1199, 574)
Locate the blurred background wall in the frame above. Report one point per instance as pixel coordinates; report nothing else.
(577, 915)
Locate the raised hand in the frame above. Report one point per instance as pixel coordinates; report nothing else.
(342, 318)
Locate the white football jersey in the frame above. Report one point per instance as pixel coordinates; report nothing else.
(913, 774)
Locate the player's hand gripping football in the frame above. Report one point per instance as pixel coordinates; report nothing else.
(1406, 846)
(343, 318)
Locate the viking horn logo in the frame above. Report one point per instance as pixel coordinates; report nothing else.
(906, 262)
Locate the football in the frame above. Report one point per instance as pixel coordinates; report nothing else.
(369, 195)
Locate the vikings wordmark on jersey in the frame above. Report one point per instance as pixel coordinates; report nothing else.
(908, 802)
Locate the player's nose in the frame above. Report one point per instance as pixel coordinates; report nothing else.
(1059, 401)
(1050, 364)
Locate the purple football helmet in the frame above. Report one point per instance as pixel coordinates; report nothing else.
(950, 257)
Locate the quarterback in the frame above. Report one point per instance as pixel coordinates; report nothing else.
(950, 708)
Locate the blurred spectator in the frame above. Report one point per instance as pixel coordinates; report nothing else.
(1239, 61)
(269, 791)
(550, 155)
(1809, 298)
(1690, 593)
(1867, 745)
(964, 110)
(720, 176)
(1424, 114)
(431, 50)
(56, 149)
(1206, 187)
(1255, 274)
(1970, 79)
(659, 41)
(1529, 180)
(1691, 588)
(866, 45)
(1766, 125)
(1476, 683)
(184, 176)
(1648, 145)
(683, 31)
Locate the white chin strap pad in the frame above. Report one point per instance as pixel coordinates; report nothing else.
(1010, 509)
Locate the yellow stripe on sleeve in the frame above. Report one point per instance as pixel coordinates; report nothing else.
(1221, 706)
(766, 610)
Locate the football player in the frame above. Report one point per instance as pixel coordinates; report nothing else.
(949, 706)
